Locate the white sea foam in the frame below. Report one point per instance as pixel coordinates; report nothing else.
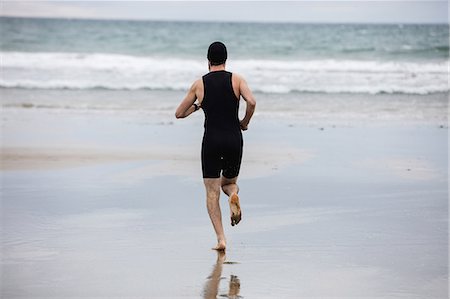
(121, 72)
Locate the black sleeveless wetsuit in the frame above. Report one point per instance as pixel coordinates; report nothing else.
(222, 140)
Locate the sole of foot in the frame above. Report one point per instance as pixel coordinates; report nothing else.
(235, 208)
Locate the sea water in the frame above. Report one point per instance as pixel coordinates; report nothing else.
(299, 71)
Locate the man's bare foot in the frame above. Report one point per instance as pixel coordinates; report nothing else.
(235, 208)
(221, 245)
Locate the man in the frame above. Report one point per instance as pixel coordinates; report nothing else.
(218, 93)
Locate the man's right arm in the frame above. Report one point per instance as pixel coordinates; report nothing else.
(247, 95)
(187, 106)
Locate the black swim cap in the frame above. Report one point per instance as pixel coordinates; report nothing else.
(217, 53)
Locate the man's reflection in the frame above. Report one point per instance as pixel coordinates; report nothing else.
(212, 284)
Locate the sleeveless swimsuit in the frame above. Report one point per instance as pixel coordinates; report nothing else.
(222, 139)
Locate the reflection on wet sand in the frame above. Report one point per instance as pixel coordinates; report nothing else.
(212, 284)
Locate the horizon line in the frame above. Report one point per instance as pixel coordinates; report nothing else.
(77, 18)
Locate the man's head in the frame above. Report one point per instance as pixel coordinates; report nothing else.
(217, 53)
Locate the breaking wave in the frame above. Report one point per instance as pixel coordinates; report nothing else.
(125, 72)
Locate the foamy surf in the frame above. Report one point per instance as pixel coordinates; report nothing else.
(47, 70)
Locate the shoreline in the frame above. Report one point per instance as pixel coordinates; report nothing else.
(302, 109)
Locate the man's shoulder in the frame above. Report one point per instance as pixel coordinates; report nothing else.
(198, 84)
(238, 78)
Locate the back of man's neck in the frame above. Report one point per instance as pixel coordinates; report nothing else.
(215, 68)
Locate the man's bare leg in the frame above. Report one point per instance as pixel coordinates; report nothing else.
(230, 187)
(212, 203)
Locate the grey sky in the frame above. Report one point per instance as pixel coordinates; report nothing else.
(259, 11)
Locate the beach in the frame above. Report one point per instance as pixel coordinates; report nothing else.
(343, 184)
(113, 205)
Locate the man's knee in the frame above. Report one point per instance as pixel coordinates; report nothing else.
(226, 181)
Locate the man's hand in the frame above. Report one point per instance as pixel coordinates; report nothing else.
(244, 125)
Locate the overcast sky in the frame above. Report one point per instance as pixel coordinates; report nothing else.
(337, 11)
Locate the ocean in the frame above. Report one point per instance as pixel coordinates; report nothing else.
(333, 65)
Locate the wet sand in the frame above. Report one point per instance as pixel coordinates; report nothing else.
(110, 206)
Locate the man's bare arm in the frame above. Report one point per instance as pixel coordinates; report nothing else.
(186, 106)
(247, 95)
